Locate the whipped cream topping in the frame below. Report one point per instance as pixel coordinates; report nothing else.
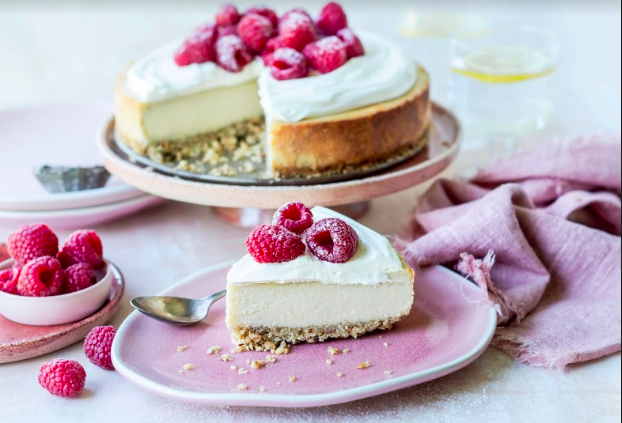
(374, 260)
(383, 73)
(157, 77)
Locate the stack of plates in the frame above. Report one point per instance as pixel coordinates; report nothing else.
(58, 136)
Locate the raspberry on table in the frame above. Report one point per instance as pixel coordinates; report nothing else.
(78, 277)
(227, 15)
(295, 217)
(274, 244)
(354, 46)
(198, 47)
(255, 30)
(332, 19)
(287, 63)
(296, 31)
(9, 279)
(98, 344)
(327, 54)
(32, 241)
(332, 240)
(232, 54)
(266, 13)
(42, 277)
(63, 378)
(82, 247)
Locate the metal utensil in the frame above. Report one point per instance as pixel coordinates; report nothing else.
(176, 311)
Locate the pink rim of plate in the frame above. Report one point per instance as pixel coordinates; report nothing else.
(144, 367)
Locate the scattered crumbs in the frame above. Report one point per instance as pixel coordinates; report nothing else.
(329, 361)
(215, 349)
(261, 389)
(292, 378)
(386, 344)
(282, 349)
(257, 364)
(182, 348)
(270, 359)
(339, 374)
(363, 365)
(234, 367)
(225, 357)
(242, 387)
(387, 372)
(186, 368)
(333, 351)
(242, 371)
(248, 361)
(346, 350)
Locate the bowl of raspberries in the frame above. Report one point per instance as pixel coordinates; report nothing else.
(46, 284)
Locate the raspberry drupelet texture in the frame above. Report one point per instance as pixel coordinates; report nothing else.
(295, 217)
(63, 378)
(296, 31)
(9, 279)
(198, 47)
(274, 244)
(255, 30)
(82, 247)
(332, 19)
(232, 54)
(332, 240)
(287, 63)
(227, 15)
(31, 242)
(327, 54)
(98, 344)
(42, 277)
(266, 13)
(354, 46)
(78, 277)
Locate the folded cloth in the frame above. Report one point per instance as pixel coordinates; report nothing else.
(539, 233)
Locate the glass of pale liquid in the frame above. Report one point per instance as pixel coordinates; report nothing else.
(502, 84)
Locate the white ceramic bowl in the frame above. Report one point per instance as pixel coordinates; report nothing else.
(56, 310)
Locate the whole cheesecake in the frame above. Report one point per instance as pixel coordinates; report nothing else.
(273, 305)
(373, 108)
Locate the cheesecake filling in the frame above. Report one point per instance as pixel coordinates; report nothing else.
(375, 262)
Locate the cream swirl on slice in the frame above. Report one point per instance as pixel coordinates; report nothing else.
(373, 262)
(383, 73)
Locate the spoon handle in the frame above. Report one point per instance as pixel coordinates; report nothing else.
(216, 296)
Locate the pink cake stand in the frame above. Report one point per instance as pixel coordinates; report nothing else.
(249, 205)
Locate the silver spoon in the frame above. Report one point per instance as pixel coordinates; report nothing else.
(176, 311)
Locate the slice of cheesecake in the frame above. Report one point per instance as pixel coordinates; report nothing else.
(271, 305)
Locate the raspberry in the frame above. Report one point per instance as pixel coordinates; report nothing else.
(295, 217)
(78, 277)
(82, 247)
(227, 15)
(267, 55)
(42, 277)
(296, 31)
(31, 242)
(288, 63)
(326, 55)
(223, 31)
(232, 54)
(98, 344)
(9, 279)
(255, 30)
(332, 240)
(354, 46)
(274, 244)
(266, 13)
(63, 378)
(332, 19)
(296, 10)
(198, 47)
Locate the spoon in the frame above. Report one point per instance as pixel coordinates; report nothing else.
(176, 311)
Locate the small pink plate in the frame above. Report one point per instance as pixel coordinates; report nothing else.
(21, 342)
(446, 331)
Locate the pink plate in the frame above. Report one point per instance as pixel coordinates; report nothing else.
(21, 342)
(446, 331)
(54, 135)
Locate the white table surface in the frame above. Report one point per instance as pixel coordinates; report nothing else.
(69, 51)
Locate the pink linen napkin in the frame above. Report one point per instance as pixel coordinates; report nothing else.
(540, 234)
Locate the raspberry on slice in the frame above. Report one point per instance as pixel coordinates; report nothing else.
(296, 31)
(288, 63)
(78, 277)
(82, 247)
(223, 31)
(332, 240)
(267, 55)
(295, 217)
(255, 30)
(327, 54)
(232, 54)
(63, 378)
(296, 10)
(266, 13)
(274, 244)
(354, 46)
(227, 15)
(98, 344)
(198, 47)
(9, 279)
(42, 277)
(332, 19)
(31, 242)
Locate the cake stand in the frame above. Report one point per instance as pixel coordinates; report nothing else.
(247, 205)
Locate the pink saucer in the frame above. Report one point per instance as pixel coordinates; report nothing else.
(446, 331)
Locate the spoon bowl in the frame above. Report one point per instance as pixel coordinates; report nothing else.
(175, 310)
